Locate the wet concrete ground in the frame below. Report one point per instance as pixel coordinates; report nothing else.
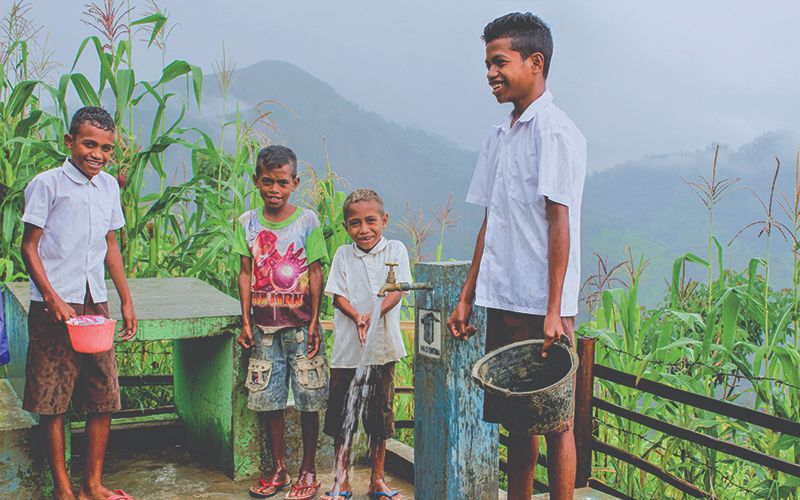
(173, 473)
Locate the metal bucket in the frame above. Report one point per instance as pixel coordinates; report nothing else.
(536, 393)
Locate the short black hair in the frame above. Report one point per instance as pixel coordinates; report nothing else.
(276, 157)
(528, 34)
(98, 117)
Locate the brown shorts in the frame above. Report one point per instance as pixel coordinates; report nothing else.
(55, 372)
(378, 407)
(507, 327)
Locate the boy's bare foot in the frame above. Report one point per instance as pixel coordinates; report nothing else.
(339, 492)
(379, 490)
(99, 492)
(63, 494)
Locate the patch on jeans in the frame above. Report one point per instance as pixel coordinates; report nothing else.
(299, 336)
(312, 373)
(258, 374)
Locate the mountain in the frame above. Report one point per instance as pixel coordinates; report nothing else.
(643, 203)
(648, 205)
(405, 165)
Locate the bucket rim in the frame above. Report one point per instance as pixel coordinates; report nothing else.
(507, 393)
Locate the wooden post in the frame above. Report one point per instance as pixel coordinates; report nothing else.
(583, 411)
(455, 451)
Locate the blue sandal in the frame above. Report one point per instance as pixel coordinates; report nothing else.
(342, 494)
(383, 494)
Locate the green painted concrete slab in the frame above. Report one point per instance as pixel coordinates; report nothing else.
(168, 308)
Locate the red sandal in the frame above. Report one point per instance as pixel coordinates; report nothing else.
(266, 489)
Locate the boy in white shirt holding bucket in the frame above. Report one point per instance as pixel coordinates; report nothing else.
(525, 268)
(367, 340)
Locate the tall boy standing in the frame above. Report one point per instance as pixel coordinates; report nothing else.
(280, 282)
(71, 217)
(357, 274)
(525, 268)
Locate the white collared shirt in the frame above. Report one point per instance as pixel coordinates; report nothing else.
(358, 276)
(543, 155)
(76, 214)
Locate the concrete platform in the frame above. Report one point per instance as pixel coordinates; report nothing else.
(173, 473)
(23, 466)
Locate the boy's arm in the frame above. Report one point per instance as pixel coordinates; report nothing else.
(341, 303)
(315, 281)
(117, 272)
(391, 300)
(59, 310)
(245, 275)
(458, 324)
(557, 257)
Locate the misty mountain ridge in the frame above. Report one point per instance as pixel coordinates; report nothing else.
(643, 202)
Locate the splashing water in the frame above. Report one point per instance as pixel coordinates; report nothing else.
(361, 388)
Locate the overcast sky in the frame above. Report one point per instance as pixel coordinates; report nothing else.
(637, 77)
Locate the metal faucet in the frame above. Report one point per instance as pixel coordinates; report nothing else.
(392, 285)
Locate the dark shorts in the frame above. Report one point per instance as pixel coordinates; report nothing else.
(506, 327)
(376, 394)
(55, 372)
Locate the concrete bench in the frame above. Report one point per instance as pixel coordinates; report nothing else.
(209, 367)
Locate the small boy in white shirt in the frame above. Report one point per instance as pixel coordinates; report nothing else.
(357, 273)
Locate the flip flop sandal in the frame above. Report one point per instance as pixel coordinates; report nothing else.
(346, 495)
(119, 495)
(383, 494)
(297, 487)
(258, 490)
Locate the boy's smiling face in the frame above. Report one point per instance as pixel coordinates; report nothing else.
(91, 148)
(512, 78)
(275, 185)
(365, 222)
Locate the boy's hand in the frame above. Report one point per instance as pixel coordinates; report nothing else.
(130, 325)
(246, 337)
(362, 327)
(313, 339)
(60, 311)
(458, 323)
(553, 330)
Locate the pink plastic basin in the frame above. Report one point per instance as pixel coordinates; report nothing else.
(91, 338)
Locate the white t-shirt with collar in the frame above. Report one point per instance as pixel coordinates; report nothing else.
(358, 276)
(76, 214)
(543, 155)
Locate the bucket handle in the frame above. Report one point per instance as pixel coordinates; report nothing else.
(563, 338)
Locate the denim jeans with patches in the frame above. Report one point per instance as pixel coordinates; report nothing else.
(280, 358)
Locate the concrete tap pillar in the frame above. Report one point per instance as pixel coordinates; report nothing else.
(455, 452)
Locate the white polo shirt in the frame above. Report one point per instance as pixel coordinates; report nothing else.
(542, 156)
(76, 214)
(358, 276)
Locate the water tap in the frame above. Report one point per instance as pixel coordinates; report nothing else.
(392, 285)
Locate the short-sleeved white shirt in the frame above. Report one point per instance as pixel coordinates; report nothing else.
(543, 155)
(358, 276)
(76, 214)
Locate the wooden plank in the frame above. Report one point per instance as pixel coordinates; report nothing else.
(144, 380)
(646, 466)
(137, 412)
(700, 439)
(406, 326)
(725, 408)
(584, 419)
(604, 488)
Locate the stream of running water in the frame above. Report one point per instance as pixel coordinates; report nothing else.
(361, 388)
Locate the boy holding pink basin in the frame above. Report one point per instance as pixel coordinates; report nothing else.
(71, 217)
